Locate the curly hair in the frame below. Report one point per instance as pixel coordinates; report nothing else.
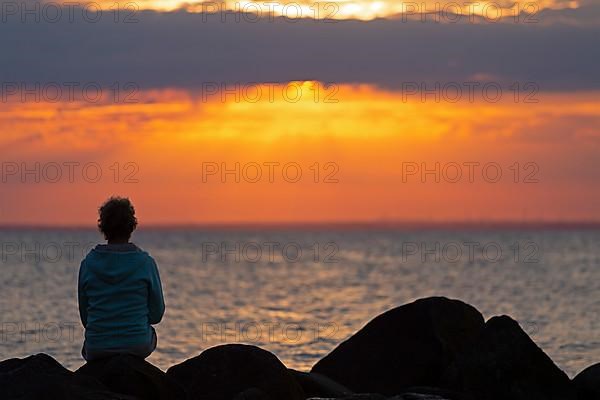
(117, 218)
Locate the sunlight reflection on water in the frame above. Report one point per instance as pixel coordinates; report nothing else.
(299, 303)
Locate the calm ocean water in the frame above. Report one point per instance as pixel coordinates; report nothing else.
(299, 293)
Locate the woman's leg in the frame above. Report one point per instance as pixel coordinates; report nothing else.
(142, 351)
(145, 350)
(91, 355)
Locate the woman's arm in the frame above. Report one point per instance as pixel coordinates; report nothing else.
(156, 302)
(81, 296)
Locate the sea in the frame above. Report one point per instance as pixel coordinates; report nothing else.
(298, 292)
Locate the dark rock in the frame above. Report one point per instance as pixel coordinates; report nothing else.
(317, 385)
(587, 383)
(410, 345)
(252, 394)
(359, 396)
(373, 396)
(505, 363)
(224, 372)
(433, 393)
(133, 376)
(41, 377)
(418, 396)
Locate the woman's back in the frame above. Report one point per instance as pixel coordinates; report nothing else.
(119, 289)
(120, 296)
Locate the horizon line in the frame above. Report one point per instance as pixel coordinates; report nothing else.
(337, 225)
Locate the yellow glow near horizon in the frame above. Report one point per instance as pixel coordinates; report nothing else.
(351, 9)
(368, 133)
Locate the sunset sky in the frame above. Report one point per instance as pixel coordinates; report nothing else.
(375, 114)
(345, 9)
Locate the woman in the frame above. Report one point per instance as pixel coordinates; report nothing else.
(120, 293)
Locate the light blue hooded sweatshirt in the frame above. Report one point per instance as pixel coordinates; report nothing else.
(120, 297)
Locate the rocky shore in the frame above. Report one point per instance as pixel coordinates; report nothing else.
(431, 349)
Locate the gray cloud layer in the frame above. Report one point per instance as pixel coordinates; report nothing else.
(179, 49)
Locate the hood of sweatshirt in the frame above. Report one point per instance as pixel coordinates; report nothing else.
(114, 263)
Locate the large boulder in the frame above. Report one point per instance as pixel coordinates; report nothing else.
(317, 385)
(587, 383)
(410, 345)
(410, 394)
(504, 363)
(133, 376)
(236, 371)
(358, 396)
(373, 396)
(433, 393)
(41, 377)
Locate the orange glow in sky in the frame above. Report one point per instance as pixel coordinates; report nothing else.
(346, 9)
(268, 155)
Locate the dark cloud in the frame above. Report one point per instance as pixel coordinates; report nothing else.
(182, 49)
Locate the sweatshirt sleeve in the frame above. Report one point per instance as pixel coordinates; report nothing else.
(156, 302)
(81, 296)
